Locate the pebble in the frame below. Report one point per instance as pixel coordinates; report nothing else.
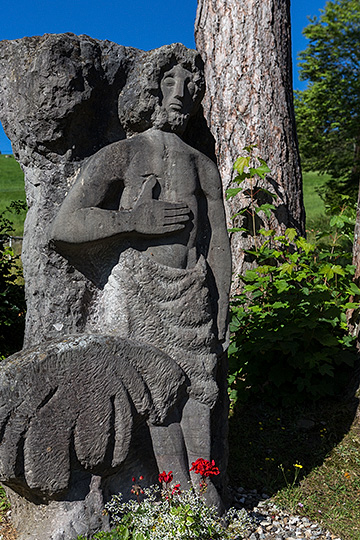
(268, 522)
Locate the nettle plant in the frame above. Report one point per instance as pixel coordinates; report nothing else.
(289, 335)
(168, 512)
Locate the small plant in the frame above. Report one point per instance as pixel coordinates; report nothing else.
(250, 170)
(170, 513)
(297, 469)
(4, 503)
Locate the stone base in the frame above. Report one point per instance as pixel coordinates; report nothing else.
(58, 520)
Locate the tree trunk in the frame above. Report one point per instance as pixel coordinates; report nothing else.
(246, 47)
(352, 314)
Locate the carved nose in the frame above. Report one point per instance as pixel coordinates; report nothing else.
(180, 89)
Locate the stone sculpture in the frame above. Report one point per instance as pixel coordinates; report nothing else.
(139, 386)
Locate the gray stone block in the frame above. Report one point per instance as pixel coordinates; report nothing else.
(127, 268)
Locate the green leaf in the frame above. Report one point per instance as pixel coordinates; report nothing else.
(326, 369)
(337, 269)
(301, 243)
(265, 208)
(327, 270)
(239, 178)
(125, 533)
(279, 305)
(281, 286)
(241, 163)
(286, 268)
(354, 288)
(261, 171)
(232, 192)
(236, 229)
(326, 339)
(337, 221)
(267, 232)
(351, 305)
(290, 233)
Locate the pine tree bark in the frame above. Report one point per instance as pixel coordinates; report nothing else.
(246, 48)
(352, 314)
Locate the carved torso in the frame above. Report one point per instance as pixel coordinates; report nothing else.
(174, 164)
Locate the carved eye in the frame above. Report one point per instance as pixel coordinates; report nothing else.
(191, 88)
(169, 81)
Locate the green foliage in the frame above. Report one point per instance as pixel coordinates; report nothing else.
(251, 169)
(115, 534)
(4, 503)
(289, 337)
(12, 305)
(327, 110)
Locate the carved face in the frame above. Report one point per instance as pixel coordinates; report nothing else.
(178, 92)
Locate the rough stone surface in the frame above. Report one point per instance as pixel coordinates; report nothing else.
(73, 427)
(127, 267)
(59, 105)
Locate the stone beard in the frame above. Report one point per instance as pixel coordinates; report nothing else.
(170, 120)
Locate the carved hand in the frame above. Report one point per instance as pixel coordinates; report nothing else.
(150, 216)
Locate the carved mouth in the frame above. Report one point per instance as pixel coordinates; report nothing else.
(176, 106)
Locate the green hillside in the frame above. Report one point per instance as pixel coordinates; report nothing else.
(12, 189)
(314, 205)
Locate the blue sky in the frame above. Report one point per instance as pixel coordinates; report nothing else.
(144, 24)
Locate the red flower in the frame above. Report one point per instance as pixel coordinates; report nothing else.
(141, 477)
(205, 468)
(133, 479)
(165, 477)
(176, 490)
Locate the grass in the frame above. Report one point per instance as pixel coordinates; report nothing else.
(330, 494)
(323, 438)
(314, 205)
(12, 189)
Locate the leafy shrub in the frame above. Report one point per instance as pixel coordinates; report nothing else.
(12, 304)
(289, 336)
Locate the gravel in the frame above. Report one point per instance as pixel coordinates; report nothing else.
(269, 522)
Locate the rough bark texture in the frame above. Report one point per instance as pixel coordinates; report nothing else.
(352, 317)
(246, 48)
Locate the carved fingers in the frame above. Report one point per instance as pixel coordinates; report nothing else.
(159, 217)
(177, 213)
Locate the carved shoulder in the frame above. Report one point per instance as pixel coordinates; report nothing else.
(209, 177)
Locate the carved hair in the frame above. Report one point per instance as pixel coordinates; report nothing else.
(140, 100)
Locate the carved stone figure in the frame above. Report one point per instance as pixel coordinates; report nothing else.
(141, 387)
